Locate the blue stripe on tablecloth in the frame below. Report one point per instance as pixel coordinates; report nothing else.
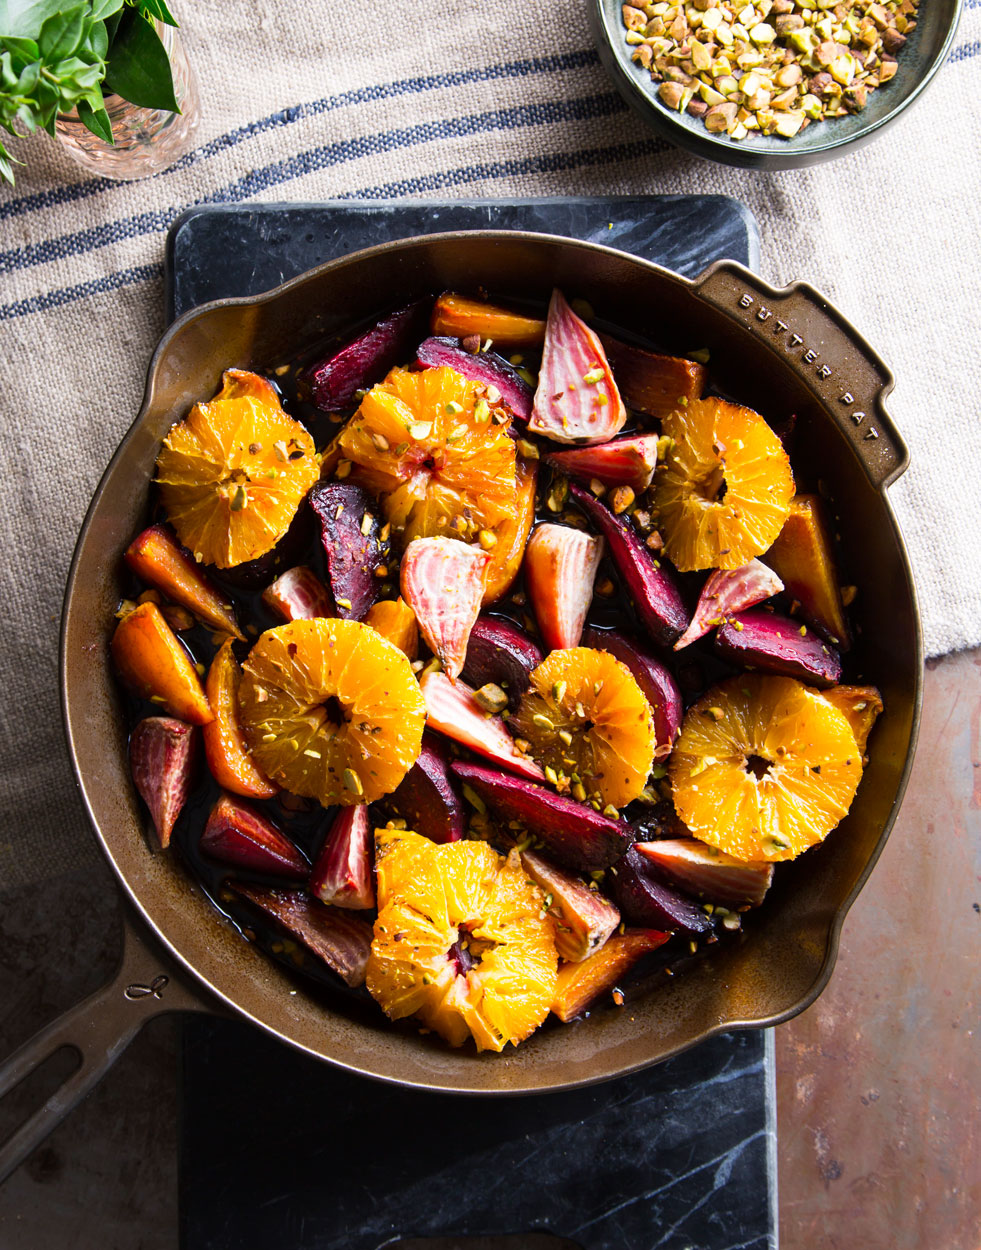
(519, 116)
(290, 116)
(967, 50)
(546, 162)
(69, 294)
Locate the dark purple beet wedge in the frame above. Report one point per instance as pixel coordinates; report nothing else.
(658, 686)
(366, 359)
(351, 533)
(651, 585)
(650, 383)
(499, 652)
(777, 644)
(428, 799)
(343, 874)
(238, 834)
(573, 834)
(342, 941)
(646, 900)
(704, 872)
(485, 367)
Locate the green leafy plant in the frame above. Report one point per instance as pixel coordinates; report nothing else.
(56, 56)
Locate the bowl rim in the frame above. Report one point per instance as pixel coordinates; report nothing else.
(135, 895)
(613, 55)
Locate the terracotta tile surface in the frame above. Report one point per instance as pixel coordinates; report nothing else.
(878, 1083)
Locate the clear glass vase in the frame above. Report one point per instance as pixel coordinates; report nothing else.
(147, 140)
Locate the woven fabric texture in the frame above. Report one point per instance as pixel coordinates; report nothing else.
(323, 101)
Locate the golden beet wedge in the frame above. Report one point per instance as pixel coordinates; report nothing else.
(802, 556)
(151, 661)
(460, 317)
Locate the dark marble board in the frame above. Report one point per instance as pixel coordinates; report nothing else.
(280, 1150)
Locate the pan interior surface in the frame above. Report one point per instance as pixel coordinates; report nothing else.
(785, 954)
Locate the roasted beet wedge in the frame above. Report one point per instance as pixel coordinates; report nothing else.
(485, 367)
(158, 558)
(622, 462)
(162, 756)
(343, 874)
(584, 919)
(452, 710)
(442, 581)
(651, 585)
(351, 533)
(498, 651)
(580, 984)
(644, 899)
(573, 834)
(560, 569)
(151, 661)
(577, 400)
(238, 834)
(659, 687)
(341, 940)
(803, 556)
(706, 873)
(650, 383)
(726, 592)
(366, 359)
(462, 317)
(298, 595)
(777, 644)
(427, 798)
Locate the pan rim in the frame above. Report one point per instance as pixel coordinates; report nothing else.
(134, 895)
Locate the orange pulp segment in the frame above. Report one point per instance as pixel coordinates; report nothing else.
(224, 747)
(426, 444)
(232, 474)
(716, 445)
(764, 767)
(331, 710)
(463, 940)
(589, 725)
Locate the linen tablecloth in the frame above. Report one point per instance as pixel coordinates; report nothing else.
(383, 100)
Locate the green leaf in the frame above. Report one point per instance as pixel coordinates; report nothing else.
(96, 120)
(25, 49)
(28, 79)
(101, 9)
(157, 9)
(7, 163)
(61, 34)
(26, 17)
(95, 43)
(138, 68)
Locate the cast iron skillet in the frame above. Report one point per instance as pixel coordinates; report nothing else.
(785, 349)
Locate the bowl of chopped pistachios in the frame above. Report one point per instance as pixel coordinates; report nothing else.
(772, 84)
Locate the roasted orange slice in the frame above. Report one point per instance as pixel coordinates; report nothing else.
(723, 491)
(589, 726)
(764, 767)
(463, 940)
(233, 473)
(427, 444)
(224, 747)
(331, 710)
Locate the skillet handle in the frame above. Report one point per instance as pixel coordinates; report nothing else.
(99, 1028)
(829, 356)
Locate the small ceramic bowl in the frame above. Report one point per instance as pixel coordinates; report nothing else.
(919, 61)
